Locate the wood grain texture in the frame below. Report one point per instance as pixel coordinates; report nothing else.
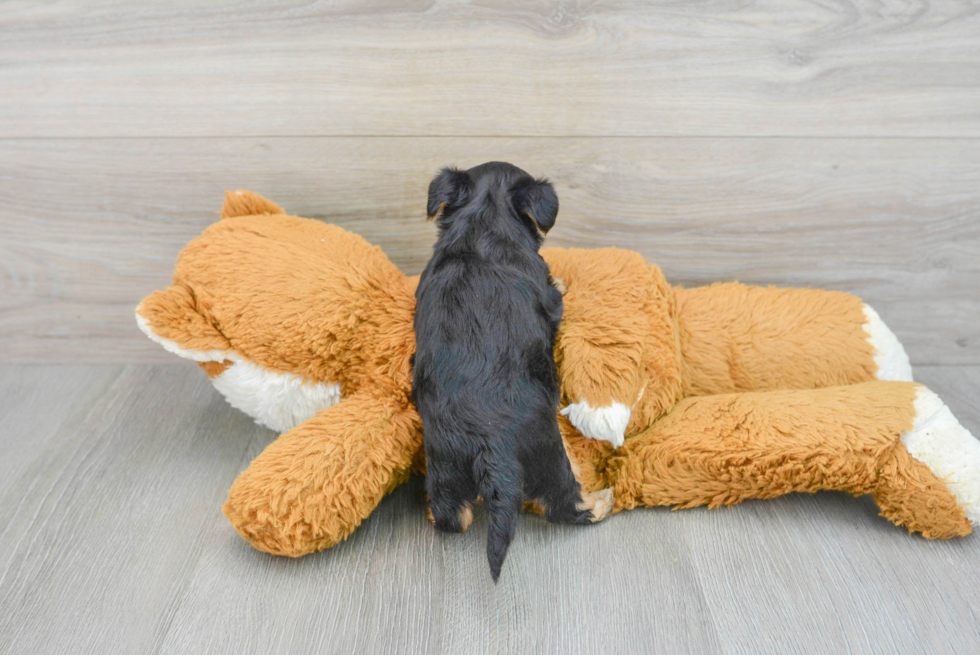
(28, 394)
(91, 226)
(499, 67)
(113, 542)
(102, 527)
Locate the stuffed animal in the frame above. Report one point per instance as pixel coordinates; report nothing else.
(671, 397)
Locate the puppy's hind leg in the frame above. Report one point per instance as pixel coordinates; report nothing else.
(451, 496)
(569, 504)
(560, 493)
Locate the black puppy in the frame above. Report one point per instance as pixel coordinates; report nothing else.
(485, 382)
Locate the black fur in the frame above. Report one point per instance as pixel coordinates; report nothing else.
(485, 382)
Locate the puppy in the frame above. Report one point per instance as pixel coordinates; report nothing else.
(484, 377)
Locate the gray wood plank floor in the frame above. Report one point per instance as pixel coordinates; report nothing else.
(112, 541)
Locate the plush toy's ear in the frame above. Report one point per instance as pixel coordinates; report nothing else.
(450, 187)
(538, 201)
(246, 203)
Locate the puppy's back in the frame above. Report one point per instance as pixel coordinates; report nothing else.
(484, 366)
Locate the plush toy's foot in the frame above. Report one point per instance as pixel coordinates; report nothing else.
(939, 441)
(599, 503)
(893, 363)
(600, 423)
(931, 484)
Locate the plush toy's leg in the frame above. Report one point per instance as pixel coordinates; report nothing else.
(311, 487)
(893, 439)
(618, 357)
(740, 338)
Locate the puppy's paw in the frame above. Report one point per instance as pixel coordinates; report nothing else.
(600, 423)
(558, 283)
(465, 517)
(599, 503)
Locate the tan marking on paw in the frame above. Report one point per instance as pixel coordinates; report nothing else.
(535, 506)
(465, 517)
(559, 284)
(600, 503)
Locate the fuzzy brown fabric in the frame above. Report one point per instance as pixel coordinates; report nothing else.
(736, 392)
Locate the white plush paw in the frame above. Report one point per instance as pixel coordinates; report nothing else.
(939, 441)
(893, 363)
(600, 423)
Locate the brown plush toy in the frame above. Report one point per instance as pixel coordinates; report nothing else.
(671, 396)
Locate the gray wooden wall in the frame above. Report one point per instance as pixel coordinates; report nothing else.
(827, 143)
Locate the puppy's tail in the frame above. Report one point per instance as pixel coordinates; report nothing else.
(500, 487)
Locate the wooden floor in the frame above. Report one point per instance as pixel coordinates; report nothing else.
(112, 541)
(826, 143)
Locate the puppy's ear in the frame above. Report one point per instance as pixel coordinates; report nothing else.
(449, 187)
(539, 201)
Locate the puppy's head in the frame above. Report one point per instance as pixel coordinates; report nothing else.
(529, 202)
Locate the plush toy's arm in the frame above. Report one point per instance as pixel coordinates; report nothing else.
(314, 485)
(895, 440)
(740, 338)
(615, 339)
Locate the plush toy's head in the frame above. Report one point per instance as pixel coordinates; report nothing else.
(333, 316)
